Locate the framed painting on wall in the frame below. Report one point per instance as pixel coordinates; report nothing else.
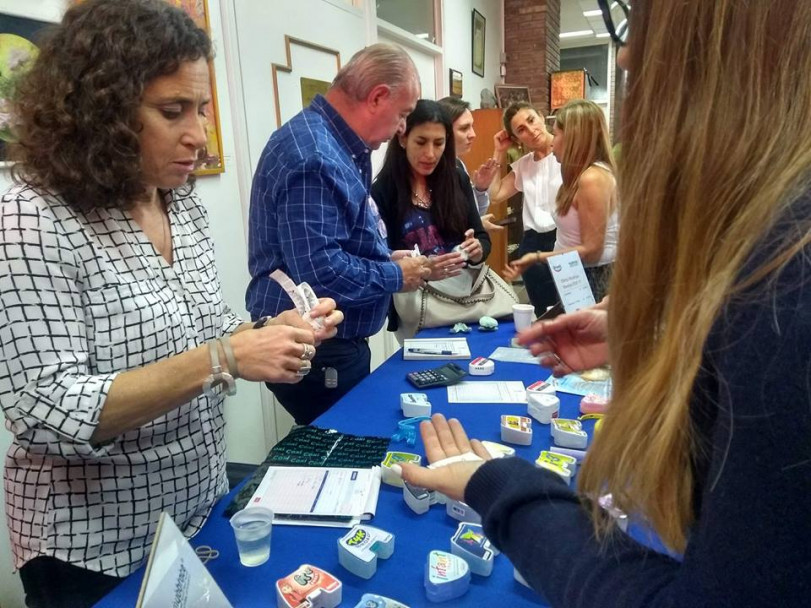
(477, 51)
(565, 86)
(211, 155)
(19, 40)
(508, 93)
(455, 79)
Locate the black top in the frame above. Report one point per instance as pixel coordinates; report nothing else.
(385, 195)
(751, 416)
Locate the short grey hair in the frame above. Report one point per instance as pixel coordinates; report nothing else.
(380, 63)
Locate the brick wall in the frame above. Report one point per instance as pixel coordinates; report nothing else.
(532, 45)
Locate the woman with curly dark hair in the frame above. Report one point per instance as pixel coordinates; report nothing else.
(116, 348)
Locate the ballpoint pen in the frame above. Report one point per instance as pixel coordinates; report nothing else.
(429, 351)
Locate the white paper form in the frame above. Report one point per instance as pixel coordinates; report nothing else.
(436, 348)
(318, 493)
(511, 391)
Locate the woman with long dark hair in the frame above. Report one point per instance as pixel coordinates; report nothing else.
(425, 200)
(422, 198)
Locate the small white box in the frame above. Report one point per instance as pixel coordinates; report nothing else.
(516, 429)
(481, 366)
(415, 404)
(569, 433)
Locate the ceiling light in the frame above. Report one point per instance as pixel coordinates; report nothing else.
(577, 34)
(595, 13)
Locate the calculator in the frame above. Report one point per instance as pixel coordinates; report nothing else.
(445, 375)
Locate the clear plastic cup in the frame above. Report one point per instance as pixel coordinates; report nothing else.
(522, 315)
(252, 527)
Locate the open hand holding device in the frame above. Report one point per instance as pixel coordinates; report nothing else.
(445, 439)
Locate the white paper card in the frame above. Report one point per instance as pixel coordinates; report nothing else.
(571, 282)
(319, 496)
(175, 576)
(487, 392)
(509, 354)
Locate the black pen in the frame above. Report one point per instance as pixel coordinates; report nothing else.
(428, 351)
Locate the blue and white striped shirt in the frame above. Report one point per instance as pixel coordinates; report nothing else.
(312, 216)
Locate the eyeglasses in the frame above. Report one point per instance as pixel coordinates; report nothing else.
(618, 33)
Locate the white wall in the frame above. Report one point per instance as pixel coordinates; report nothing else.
(458, 16)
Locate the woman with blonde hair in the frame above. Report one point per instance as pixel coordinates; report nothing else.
(708, 436)
(585, 211)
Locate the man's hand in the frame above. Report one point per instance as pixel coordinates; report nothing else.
(443, 439)
(574, 341)
(415, 272)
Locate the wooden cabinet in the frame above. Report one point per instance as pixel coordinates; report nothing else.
(486, 123)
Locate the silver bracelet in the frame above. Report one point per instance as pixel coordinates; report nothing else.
(218, 377)
(229, 356)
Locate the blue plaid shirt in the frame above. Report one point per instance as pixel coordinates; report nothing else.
(312, 216)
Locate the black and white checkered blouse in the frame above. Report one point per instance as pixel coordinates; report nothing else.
(82, 298)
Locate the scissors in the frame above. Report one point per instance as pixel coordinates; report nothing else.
(206, 553)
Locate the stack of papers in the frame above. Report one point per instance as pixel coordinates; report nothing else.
(319, 496)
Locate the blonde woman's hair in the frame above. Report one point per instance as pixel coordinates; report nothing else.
(587, 142)
(715, 148)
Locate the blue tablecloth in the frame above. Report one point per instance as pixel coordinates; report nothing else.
(373, 408)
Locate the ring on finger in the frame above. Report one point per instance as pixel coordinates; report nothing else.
(304, 368)
(307, 353)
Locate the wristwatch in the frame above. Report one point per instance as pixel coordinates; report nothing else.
(218, 377)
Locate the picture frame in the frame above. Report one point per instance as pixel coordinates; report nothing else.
(19, 40)
(478, 31)
(455, 80)
(566, 85)
(212, 155)
(213, 158)
(509, 93)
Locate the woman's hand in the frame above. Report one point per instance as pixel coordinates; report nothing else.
(472, 246)
(487, 223)
(483, 176)
(573, 342)
(501, 142)
(326, 310)
(275, 352)
(520, 266)
(445, 265)
(444, 439)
